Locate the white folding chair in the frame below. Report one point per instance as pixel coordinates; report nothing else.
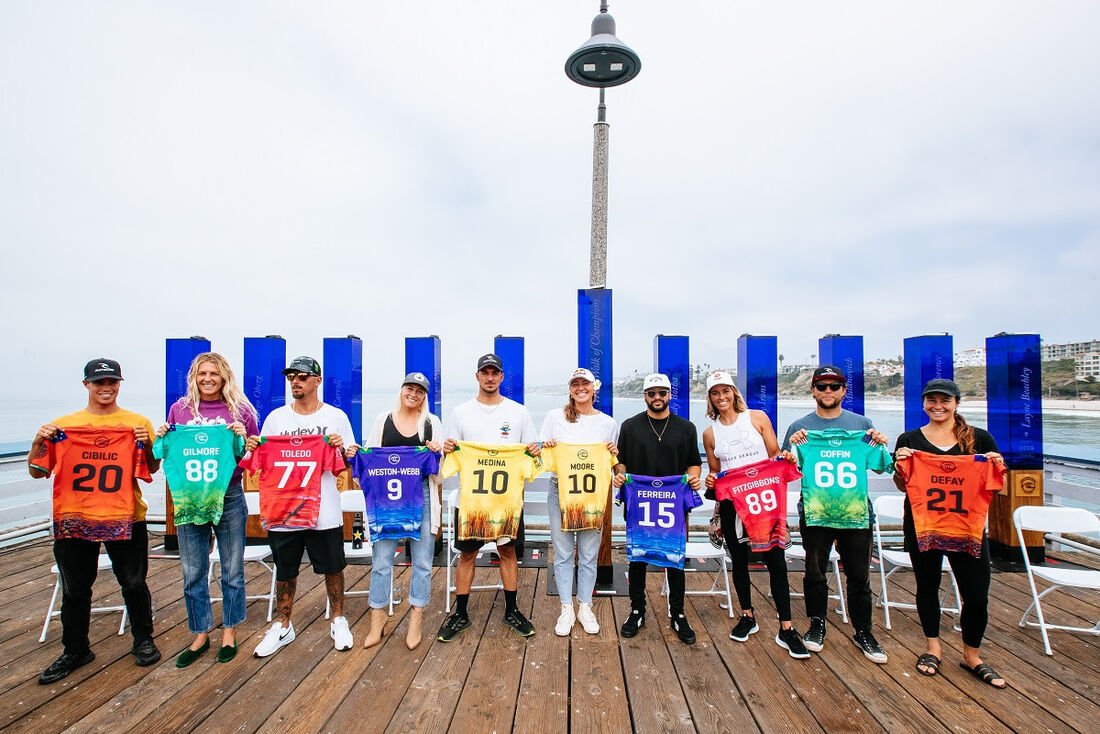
(893, 505)
(704, 551)
(453, 553)
(797, 553)
(352, 500)
(104, 565)
(260, 554)
(1057, 520)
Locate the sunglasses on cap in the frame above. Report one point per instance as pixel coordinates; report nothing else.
(829, 386)
(294, 376)
(655, 393)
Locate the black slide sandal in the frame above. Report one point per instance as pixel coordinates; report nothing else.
(985, 673)
(929, 661)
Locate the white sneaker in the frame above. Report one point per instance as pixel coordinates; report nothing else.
(276, 638)
(339, 632)
(587, 618)
(565, 621)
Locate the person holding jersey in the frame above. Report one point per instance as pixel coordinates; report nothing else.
(410, 423)
(213, 397)
(947, 433)
(577, 423)
(740, 436)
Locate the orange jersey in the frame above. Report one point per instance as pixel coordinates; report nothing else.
(950, 498)
(93, 481)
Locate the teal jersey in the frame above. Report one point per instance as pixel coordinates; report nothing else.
(834, 465)
(199, 461)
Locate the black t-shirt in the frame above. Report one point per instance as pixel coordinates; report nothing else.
(642, 452)
(393, 437)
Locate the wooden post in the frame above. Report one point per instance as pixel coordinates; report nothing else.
(1022, 487)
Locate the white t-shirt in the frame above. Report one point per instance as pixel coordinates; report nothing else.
(505, 422)
(328, 419)
(595, 428)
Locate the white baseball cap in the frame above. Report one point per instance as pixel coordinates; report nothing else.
(583, 374)
(720, 378)
(656, 380)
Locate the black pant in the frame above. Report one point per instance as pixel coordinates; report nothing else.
(971, 573)
(854, 548)
(636, 575)
(78, 565)
(774, 559)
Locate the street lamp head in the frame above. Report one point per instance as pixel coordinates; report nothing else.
(603, 60)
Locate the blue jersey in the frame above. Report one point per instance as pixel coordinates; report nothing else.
(656, 518)
(392, 479)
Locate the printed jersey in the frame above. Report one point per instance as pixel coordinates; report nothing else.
(656, 518)
(491, 479)
(834, 465)
(290, 470)
(93, 469)
(950, 497)
(584, 481)
(759, 494)
(392, 479)
(199, 462)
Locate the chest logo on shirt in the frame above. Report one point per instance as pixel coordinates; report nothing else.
(295, 441)
(582, 454)
(101, 442)
(656, 483)
(505, 429)
(948, 466)
(201, 438)
(492, 452)
(394, 459)
(750, 473)
(835, 442)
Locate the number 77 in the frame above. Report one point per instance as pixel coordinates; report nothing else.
(310, 467)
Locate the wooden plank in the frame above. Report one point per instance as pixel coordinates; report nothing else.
(544, 682)
(597, 692)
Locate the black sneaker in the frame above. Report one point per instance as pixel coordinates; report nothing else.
(682, 629)
(633, 623)
(745, 627)
(815, 636)
(146, 652)
(67, 663)
(873, 651)
(791, 641)
(452, 625)
(519, 623)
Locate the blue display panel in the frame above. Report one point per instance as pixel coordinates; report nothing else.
(929, 357)
(1014, 399)
(178, 355)
(264, 384)
(670, 357)
(510, 351)
(758, 374)
(422, 355)
(342, 369)
(594, 341)
(846, 353)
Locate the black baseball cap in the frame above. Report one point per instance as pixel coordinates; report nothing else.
(828, 372)
(102, 369)
(489, 360)
(940, 385)
(308, 365)
(418, 379)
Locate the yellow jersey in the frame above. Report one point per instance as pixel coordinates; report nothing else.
(491, 479)
(584, 481)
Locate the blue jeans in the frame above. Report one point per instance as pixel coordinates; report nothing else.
(194, 557)
(423, 551)
(588, 551)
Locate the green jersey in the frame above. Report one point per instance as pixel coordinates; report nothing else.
(834, 465)
(199, 461)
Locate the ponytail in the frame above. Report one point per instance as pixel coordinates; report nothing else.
(964, 433)
(571, 410)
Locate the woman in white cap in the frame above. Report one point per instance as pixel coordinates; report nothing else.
(737, 437)
(577, 423)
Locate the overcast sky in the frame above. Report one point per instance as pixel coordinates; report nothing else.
(402, 169)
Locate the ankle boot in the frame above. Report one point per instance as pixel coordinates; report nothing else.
(377, 626)
(412, 637)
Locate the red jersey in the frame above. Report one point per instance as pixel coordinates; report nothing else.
(290, 470)
(759, 494)
(93, 484)
(950, 497)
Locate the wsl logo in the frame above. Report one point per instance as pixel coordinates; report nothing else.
(582, 454)
(101, 442)
(750, 473)
(394, 459)
(835, 442)
(201, 438)
(948, 466)
(657, 483)
(295, 441)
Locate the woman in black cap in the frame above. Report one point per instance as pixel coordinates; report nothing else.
(948, 434)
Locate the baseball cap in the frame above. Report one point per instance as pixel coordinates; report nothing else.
(656, 380)
(308, 365)
(102, 369)
(828, 372)
(489, 360)
(583, 374)
(939, 385)
(418, 379)
(719, 378)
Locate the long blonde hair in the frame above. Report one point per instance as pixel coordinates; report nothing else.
(739, 404)
(232, 395)
(421, 418)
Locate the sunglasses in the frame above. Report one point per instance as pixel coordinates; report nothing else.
(829, 386)
(292, 377)
(656, 393)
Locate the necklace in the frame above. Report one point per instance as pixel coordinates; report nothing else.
(663, 428)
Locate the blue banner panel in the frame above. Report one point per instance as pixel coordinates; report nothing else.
(510, 351)
(342, 368)
(264, 384)
(670, 357)
(178, 355)
(1014, 398)
(929, 357)
(594, 341)
(758, 373)
(846, 353)
(422, 355)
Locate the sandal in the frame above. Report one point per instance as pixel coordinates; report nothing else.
(985, 673)
(928, 660)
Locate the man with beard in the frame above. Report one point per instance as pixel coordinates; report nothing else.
(828, 388)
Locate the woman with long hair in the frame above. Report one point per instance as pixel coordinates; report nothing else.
(214, 397)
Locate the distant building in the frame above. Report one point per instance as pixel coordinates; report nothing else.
(793, 369)
(973, 357)
(883, 368)
(1087, 365)
(1068, 351)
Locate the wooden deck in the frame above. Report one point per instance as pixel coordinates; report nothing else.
(492, 680)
